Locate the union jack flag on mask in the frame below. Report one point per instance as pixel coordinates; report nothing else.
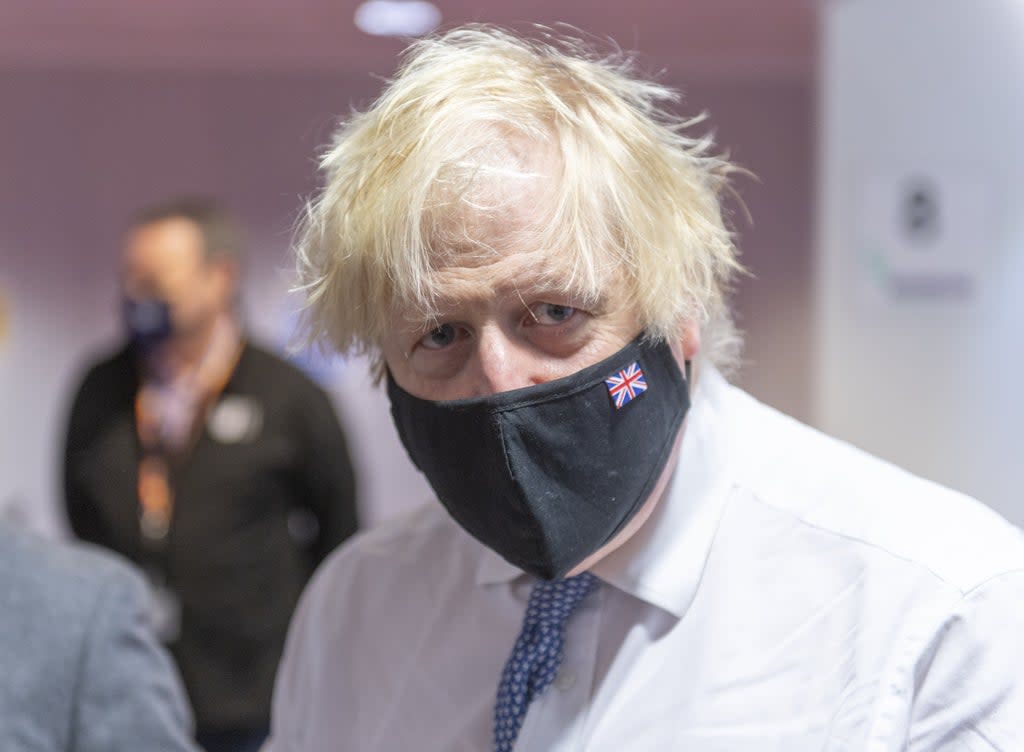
(626, 385)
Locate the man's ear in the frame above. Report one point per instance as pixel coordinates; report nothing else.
(226, 271)
(690, 339)
(686, 344)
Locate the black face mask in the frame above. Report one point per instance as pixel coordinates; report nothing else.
(147, 321)
(548, 474)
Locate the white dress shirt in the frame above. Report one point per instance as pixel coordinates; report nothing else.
(789, 593)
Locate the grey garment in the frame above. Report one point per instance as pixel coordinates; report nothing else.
(80, 670)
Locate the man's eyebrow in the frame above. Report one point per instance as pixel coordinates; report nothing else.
(548, 290)
(526, 305)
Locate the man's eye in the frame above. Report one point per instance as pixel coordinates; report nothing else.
(440, 337)
(549, 314)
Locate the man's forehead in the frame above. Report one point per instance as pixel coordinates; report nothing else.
(481, 273)
(173, 241)
(492, 232)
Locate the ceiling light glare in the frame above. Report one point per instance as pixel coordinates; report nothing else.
(397, 18)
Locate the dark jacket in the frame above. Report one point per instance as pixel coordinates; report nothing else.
(235, 553)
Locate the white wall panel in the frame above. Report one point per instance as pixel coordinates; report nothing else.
(921, 276)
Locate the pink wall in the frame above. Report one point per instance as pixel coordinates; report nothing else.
(79, 150)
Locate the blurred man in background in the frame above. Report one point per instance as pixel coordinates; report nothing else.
(629, 553)
(82, 670)
(217, 467)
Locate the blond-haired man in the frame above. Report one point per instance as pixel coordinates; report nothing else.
(628, 553)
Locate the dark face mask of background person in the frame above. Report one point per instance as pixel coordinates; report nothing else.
(172, 290)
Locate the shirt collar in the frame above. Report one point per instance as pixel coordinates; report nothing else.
(663, 562)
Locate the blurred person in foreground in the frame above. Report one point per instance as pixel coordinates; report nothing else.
(82, 670)
(635, 555)
(191, 451)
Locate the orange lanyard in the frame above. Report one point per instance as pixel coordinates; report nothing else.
(156, 498)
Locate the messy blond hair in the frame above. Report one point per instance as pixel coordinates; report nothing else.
(633, 195)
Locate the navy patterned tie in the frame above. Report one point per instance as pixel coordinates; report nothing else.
(537, 653)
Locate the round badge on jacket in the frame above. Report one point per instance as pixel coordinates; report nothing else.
(235, 419)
